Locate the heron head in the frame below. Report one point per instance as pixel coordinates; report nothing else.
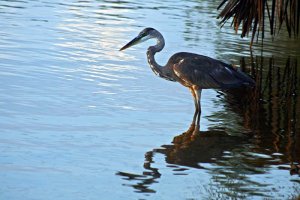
(144, 35)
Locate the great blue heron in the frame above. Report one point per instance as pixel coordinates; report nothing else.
(194, 71)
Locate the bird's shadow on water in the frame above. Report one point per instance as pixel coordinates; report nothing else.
(270, 112)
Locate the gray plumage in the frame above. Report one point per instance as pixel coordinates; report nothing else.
(194, 71)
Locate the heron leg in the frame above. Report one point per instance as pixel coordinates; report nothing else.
(196, 106)
(198, 98)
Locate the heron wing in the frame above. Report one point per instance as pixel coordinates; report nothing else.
(205, 72)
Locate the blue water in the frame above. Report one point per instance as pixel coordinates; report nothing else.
(81, 120)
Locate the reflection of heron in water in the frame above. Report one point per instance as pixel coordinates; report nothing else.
(194, 71)
(188, 150)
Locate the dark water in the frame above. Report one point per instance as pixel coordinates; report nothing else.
(81, 120)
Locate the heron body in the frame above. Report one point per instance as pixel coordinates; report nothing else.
(194, 71)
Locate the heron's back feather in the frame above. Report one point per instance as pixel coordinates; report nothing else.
(197, 70)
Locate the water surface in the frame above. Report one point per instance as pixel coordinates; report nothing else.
(81, 120)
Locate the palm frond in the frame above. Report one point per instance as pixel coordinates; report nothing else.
(250, 16)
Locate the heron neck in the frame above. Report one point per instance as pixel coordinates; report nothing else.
(152, 50)
(156, 68)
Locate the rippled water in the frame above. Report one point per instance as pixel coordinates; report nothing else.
(81, 120)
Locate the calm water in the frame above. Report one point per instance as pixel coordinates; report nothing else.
(81, 120)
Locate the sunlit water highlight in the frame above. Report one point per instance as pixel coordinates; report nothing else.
(81, 120)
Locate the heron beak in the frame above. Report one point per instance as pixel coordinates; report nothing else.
(133, 42)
